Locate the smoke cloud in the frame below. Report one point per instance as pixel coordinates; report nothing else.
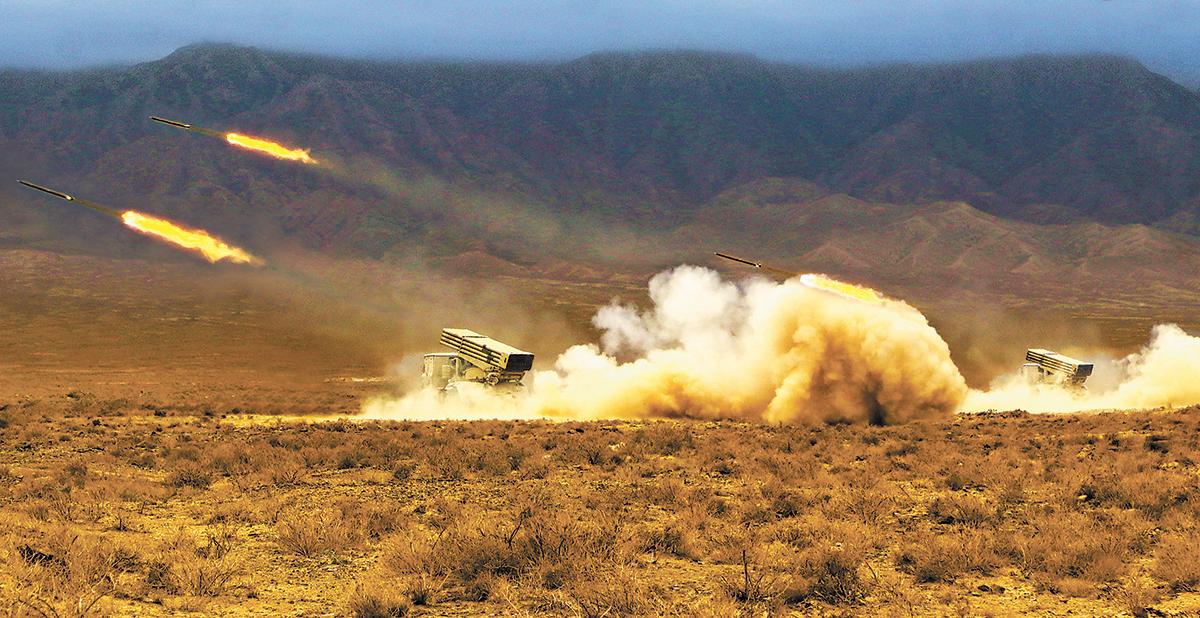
(1166, 372)
(707, 348)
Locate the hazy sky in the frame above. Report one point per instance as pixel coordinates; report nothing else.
(60, 33)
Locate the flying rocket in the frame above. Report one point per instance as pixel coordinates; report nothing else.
(248, 142)
(759, 265)
(187, 127)
(71, 198)
(208, 246)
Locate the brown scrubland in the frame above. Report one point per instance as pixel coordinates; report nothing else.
(132, 507)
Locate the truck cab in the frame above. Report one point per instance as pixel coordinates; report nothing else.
(440, 370)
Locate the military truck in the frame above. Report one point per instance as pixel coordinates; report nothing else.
(476, 359)
(1046, 367)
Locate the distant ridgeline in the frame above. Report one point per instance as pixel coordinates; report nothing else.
(477, 156)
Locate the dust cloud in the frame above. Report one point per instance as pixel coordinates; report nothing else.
(709, 348)
(1164, 373)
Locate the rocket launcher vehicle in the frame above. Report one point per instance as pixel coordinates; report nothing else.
(475, 358)
(1052, 367)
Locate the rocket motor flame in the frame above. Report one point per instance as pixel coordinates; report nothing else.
(816, 281)
(849, 290)
(213, 249)
(268, 147)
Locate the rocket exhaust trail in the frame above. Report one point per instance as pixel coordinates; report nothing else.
(816, 281)
(208, 246)
(247, 142)
(71, 198)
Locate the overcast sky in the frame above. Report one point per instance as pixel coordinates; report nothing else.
(76, 33)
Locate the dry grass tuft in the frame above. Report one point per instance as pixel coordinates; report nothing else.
(1177, 562)
(830, 574)
(377, 600)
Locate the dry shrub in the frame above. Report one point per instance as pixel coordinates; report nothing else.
(619, 592)
(961, 510)
(376, 599)
(870, 503)
(184, 567)
(231, 459)
(370, 520)
(590, 448)
(674, 537)
(665, 438)
(190, 475)
(498, 459)
(424, 589)
(200, 577)
(794, 533)
(76, 473)
(828, 573)
(683, 534)
(403, 471)
(447, 462)
(235, 510)
(1012, 492)
(720, 461)
(289, 472)
(536, 468)
(1072, 587)
(312, 533)
(943, 557)
(64, 505)
(133, 490)
(1074, 514)
(1126, 482)
(789, 503)
(666, 492)
(755, 583)
(539, 546)
(1138, 596)
(220, 539)
(1068, 544)
(1176, 560)
(68, 574)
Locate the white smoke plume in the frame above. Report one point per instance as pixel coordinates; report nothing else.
(708, 348)
(1165, 373)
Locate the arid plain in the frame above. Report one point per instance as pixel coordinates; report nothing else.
(182, 443)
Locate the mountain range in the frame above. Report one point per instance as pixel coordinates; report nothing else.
(1022, 165)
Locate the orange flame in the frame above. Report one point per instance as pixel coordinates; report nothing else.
(273, 149)
(841, 288)
(213, 249)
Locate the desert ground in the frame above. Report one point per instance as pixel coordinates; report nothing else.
(174, 444)
(132, 507)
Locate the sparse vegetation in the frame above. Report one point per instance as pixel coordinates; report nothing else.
(1087, 512)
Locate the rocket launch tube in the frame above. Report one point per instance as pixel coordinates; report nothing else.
(71, 198)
